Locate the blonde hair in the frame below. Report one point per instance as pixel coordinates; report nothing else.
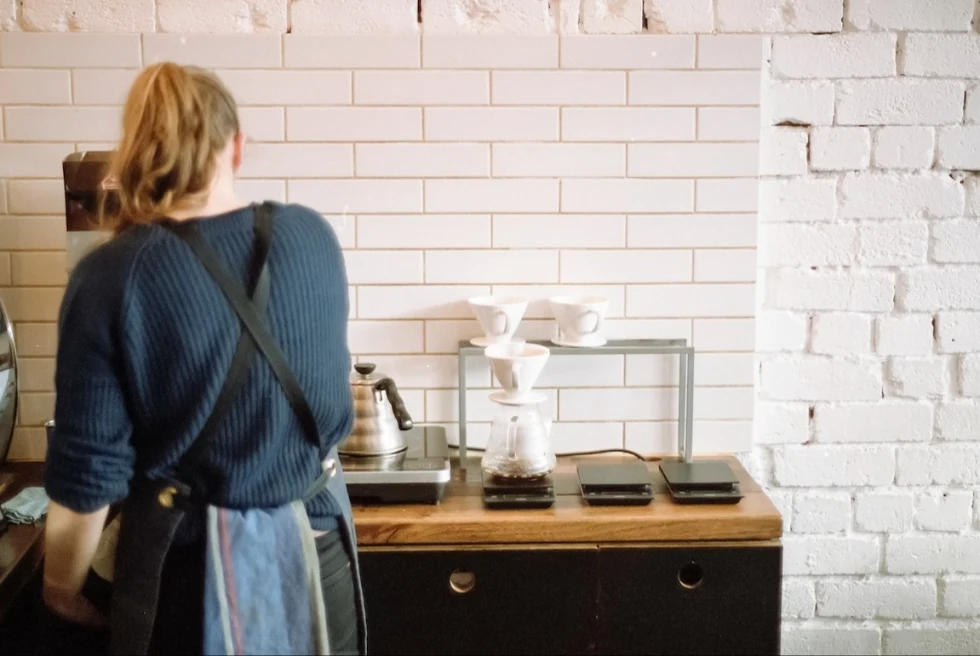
(175, 122)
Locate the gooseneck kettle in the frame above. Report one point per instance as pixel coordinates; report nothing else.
(380, 415)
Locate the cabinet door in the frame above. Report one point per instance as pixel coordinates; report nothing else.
(701, 600)
(20, 624)
(531, 601)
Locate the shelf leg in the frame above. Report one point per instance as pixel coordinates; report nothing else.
(681, 402)
(689, 412)
(461, 360)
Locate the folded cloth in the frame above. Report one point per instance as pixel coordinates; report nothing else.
(27, 507)
(262, 583)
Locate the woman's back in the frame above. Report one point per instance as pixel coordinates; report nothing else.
(150, 336)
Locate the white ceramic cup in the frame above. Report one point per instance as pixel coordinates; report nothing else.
(580, 318)
(516, 366)
(498, 316)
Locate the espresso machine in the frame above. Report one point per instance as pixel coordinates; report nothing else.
(86, 189)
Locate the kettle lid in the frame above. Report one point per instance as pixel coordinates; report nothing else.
(364, 374)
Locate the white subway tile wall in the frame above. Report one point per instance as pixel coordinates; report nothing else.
(452, 166)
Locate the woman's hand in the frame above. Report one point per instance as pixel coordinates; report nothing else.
(71, 540)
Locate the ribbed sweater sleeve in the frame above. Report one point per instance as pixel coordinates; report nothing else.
(90, 457)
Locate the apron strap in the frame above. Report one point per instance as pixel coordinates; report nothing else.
(189, 468)
(146, 532)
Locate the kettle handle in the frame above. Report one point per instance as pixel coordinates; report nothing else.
(387, 385)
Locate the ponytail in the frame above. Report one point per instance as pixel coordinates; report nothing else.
(176, 121)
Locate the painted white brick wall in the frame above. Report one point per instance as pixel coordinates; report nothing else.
(866, 424)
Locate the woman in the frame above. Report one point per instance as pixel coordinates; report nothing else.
(146, 340)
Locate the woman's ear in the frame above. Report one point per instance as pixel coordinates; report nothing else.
(237, 151)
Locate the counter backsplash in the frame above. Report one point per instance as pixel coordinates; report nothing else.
(450, 167)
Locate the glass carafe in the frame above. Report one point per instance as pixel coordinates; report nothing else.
(519, 444)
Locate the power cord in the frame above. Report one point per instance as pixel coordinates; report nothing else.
(602, 451)
(573, 454)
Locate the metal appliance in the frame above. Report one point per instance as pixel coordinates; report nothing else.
(418, 473)
(387, 458)
(8, 382)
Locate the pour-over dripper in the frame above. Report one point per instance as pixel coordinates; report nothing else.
(516, 366)
(498, 317)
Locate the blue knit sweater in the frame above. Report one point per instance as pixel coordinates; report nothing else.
(145, 341)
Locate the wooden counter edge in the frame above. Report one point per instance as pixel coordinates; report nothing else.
(461, 519)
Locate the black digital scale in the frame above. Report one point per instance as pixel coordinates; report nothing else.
(627, 484)
(703, 481)
(501, 493)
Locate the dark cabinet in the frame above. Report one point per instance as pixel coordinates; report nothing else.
(698, 600)
(20, 626)
(520, 601)
(595, 600)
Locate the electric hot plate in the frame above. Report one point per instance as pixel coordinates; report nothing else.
(417, 475)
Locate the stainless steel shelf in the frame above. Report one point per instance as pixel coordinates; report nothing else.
(612, 347)
(678, 347)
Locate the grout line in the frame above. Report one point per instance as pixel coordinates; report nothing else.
(492, 222)
(441, 106)
(609, 71)
(628, 78)
(650, 214)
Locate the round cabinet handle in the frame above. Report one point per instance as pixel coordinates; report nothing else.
(690, 576)
(462, 581)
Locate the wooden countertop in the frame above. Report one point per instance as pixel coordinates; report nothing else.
(461, 519)
(22, 546)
